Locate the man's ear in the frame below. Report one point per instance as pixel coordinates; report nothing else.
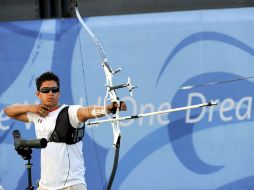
(37, 93)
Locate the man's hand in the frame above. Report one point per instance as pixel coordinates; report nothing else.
(111, 108)
(41, 110)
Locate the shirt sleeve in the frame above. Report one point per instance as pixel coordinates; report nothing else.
(73, 109)
(31, 117)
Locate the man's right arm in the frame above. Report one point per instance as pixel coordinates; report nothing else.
(19, 111)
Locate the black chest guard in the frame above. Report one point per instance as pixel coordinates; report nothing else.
(64, 132)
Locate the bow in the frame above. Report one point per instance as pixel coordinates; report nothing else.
(111, 92)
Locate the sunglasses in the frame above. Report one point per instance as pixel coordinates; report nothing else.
(46, 90)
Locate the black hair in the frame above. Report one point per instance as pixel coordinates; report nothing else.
(46, 77)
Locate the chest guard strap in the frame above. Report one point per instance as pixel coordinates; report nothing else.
(64, 132)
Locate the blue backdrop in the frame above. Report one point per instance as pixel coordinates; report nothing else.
(208, 148)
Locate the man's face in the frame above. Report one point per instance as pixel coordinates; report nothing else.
(49, 93)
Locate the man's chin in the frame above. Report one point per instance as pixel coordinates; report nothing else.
(51, 104)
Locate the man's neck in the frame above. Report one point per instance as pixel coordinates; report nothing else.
(53, 108)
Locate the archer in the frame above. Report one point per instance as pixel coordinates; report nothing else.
(62, 161)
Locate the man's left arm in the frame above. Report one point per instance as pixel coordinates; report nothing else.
(91, 112)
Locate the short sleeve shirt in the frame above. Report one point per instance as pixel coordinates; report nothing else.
(62, 165)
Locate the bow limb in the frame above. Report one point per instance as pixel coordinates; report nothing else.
(110, 91)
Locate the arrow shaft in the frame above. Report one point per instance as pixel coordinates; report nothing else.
(214, 83)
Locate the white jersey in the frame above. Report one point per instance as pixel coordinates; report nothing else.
(62, 165)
